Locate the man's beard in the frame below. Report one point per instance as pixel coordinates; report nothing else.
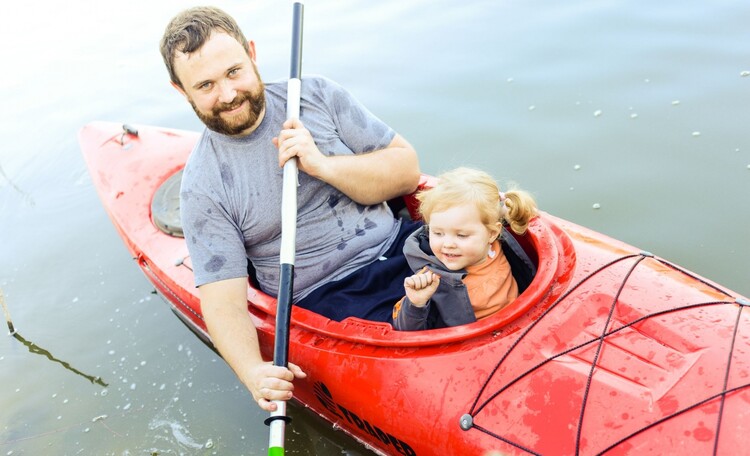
(242, 121)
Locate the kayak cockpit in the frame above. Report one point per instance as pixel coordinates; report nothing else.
(535, 258)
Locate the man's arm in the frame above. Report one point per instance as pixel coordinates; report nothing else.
(369, 178)
(224, 307)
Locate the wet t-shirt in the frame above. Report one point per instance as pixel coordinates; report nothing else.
(231, 196)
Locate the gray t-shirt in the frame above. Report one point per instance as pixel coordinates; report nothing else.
(231, 196)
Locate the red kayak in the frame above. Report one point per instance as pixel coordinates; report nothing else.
(610, 350)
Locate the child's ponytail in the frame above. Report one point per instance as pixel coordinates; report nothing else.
(520, 208)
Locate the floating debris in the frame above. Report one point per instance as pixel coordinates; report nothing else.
(11, 328)
(596, 206)
(98, 418)
(597, 113)
(633, 115)
(209, 444)
(577, 167)
(675, 102)
(509, 80)
(696, 133)
(532, 107)
(745, 74)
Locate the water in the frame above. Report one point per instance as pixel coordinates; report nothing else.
(639, 108)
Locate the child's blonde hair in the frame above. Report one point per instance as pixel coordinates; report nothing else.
(470, 186)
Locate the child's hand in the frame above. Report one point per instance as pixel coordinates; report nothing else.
(421, 286)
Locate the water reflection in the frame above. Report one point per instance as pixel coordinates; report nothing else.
(37, 350)
(26, 197)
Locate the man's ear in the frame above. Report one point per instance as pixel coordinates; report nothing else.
(179, 89)
(251, 50)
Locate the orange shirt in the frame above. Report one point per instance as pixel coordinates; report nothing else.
(491, 285)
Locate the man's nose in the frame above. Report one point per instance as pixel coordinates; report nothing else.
(227, 92)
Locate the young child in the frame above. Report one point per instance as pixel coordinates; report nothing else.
(462, 274)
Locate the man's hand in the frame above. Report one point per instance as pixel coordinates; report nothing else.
(268, 383)
(367, 178)
(296, 141)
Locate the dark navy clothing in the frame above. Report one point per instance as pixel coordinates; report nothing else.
(369, 292)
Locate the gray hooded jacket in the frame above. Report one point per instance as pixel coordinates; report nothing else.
(450, 305)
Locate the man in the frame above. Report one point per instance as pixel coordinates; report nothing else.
(350, 163)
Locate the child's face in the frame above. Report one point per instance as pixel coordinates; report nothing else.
(459, 238)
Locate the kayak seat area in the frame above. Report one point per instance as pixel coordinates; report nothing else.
(165, 214)
(165, 207)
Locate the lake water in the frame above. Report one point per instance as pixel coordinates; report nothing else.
(629, 117)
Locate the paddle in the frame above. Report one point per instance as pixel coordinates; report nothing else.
(278, 419)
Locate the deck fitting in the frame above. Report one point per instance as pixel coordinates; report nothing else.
(466, 422)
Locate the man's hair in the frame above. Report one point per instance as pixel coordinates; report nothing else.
(189, 30)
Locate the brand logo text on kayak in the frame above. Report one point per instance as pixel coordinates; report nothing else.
(326, 399)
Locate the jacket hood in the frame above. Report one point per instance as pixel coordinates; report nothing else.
(419, 254)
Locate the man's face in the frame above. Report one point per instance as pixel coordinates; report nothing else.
(222, 84)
